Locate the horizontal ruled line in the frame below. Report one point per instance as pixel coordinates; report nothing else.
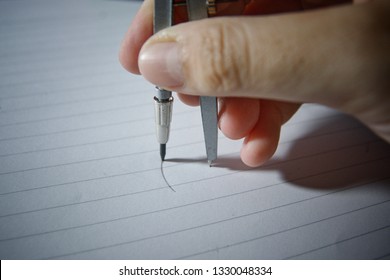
(222, 221)
(338, 242)
(287, 230)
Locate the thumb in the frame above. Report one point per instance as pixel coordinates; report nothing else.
(319, 56)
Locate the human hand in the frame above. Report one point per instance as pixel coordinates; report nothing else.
(262, 67)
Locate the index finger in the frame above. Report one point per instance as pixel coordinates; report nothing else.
(139, 31)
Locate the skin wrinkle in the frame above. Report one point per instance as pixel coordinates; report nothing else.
(226, 57)
(234, 54)
(244, 55)
(247, 54)
(213, 50)
(291, 63)
(224, 73)
(283, 87)
(267, 71)
(235, 78)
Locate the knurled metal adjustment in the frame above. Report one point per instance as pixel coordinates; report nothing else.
(211, 7)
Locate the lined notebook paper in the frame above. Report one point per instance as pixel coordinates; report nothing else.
(80, 173)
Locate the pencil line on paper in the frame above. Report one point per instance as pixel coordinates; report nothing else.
(163, 175)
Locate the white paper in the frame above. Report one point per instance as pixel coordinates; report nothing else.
(80, 170)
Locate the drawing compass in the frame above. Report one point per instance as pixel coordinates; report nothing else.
(163, 17)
